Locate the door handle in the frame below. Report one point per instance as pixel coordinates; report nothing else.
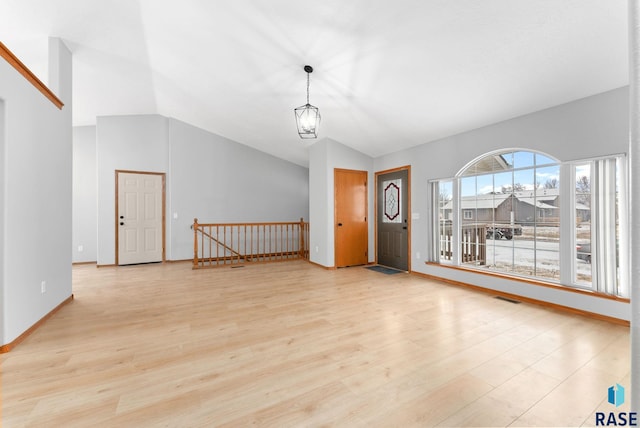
(339, 224)
(121, 216)
(404, 227)
(122, 223)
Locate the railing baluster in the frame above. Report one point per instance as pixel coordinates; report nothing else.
(265, 235)
(229, 255)
(217, 245)
(232, 258)
(279, 242)
(238, 242)
(209, 253)
(202, 247)
(270, 239)
(300, 240)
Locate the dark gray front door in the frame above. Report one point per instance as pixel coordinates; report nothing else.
(393, 219)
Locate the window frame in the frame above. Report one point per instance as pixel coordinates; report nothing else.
(566, 223)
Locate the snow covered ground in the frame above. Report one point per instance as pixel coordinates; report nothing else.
(528, 257)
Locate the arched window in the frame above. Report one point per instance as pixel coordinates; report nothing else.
(502, 212)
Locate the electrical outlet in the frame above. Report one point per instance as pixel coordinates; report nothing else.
(317, 249)
(80, 248)
(43, 287)
(418, 255)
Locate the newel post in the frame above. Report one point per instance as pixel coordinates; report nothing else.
(195, 243)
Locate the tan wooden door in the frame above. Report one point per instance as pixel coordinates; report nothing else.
(140, 222)
(351, 227)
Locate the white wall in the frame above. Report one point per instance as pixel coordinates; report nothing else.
(3, 169)
(218, 180)
(589, 127)
(85, 200)
(324, 157)
(207, 176)
(133, 143)
(320, 217)
(36, 221)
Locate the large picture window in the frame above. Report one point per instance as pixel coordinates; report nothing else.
(506, 216)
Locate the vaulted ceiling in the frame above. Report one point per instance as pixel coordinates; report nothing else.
(388, 75)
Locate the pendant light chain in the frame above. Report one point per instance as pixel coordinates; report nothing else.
(307, 88)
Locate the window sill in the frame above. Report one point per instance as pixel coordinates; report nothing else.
(532, 281)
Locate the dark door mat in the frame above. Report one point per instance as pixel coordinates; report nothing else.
(383, 269)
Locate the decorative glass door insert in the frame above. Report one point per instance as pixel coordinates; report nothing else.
(392, 210)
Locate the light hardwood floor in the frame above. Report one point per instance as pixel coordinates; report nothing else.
(291, 344)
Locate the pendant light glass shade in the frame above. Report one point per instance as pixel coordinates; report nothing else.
(307, 116)
(307, 119)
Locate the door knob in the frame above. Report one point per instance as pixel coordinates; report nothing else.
(339, 224)
(121, 216)
(122, 223)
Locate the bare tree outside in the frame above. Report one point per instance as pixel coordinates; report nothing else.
(583, 190)
(445, 197)
(517, 187)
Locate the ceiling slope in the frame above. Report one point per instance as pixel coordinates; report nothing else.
(387, 75)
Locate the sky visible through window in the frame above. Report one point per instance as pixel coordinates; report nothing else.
(516, 173)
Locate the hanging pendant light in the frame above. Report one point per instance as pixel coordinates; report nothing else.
(307, 116)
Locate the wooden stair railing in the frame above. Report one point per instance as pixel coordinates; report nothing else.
(28, 74)
(225, 244)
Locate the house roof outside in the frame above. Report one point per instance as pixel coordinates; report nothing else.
(482, 202)
(538, 203)
(541, 198)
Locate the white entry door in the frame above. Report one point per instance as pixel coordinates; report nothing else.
(140, 219)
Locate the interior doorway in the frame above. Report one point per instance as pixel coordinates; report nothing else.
(351, 229)
(140, 218)
(392, 218)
